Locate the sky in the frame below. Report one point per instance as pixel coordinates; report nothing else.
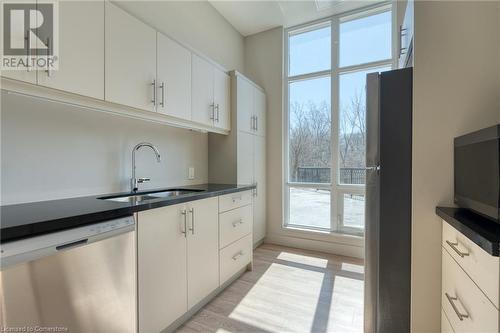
(362, 40)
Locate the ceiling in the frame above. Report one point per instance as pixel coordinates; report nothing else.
(253, 16)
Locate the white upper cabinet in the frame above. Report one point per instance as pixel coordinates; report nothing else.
(174, 78)
(203, 91)
(259, 112)
(245, 100)
(211, 89)
(222, 86)
(81, 50)
(130, 60)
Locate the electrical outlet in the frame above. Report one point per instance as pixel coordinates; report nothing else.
(191, 173)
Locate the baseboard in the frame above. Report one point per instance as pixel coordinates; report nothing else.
(185, 317)
(316, 245)
(258, 243)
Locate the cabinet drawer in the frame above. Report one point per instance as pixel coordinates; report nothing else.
(460, 296)
(234, 200)
(234, 257)
(235, 224)
(477, 263)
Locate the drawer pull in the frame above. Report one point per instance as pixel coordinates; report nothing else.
(238, 255)
(236, 198)
(452, 300)
(235, 223)
(455, 248)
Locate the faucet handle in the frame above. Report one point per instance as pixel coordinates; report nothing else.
(143, 180)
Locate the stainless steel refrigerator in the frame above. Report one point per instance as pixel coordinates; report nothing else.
(388, 201)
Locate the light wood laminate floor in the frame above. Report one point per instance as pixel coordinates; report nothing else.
(289, 290)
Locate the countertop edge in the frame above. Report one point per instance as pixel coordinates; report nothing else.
(477, 236)
(37, 228)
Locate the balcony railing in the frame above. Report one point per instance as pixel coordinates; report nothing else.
(323, 175)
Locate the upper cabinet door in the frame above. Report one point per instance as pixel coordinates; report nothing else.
(203, 91)
(260, 112)
(222, 86)
(174, 78)
(81, 50)
(130, 60)
(27, 74)
(245, 100)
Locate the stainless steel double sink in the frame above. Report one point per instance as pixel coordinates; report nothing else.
(136, 198)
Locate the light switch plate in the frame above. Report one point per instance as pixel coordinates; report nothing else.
(191, 173)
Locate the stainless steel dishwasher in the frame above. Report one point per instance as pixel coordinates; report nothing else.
(77, 280)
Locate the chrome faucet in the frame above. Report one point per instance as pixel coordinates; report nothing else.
(134, 182)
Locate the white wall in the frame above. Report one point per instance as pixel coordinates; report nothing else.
(456, 90)
(195, 23)
(52, 151)
(264, 65)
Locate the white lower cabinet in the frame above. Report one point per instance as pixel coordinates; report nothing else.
(162, 267)
(470, 283)
(445, 324)
(178, 260)
(202, 249)
(235, 257)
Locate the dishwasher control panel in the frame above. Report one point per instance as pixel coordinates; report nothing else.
(36, 247)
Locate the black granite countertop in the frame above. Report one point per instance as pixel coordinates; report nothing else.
(477, 228)
(35, 218)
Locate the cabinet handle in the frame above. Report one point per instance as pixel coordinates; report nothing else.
(251, 123)
(236, 198)
(184, 231)
(153, 84)
(28, 51)
(455, 248)
(238, 255)
(217, 113)
(452, 300)
(402, 32)
(191, 210)
(255, 192)
(48, 52)
(212, 111)
(162, 87)
(256, 123)
(235, 223)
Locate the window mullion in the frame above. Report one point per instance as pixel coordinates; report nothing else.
(334, 222)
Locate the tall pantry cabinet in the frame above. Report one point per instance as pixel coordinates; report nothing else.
(240, 157)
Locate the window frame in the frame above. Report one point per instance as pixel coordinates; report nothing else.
(337, 190)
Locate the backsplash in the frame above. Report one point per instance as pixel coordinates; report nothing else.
(51, 151)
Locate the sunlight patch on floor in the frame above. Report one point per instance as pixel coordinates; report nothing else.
(346, 309)
(353, 268)
(274, 305)
(301, 259)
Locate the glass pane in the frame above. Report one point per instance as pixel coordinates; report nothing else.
(310, 207)
(352, 127)
(366, 39)
(309, 131)
(354, 211)
(310, 51)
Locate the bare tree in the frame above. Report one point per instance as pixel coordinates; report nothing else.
(310, 135)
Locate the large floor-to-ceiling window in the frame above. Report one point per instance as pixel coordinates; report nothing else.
(327, 63)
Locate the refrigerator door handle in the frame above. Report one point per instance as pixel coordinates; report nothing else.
(373, 168)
